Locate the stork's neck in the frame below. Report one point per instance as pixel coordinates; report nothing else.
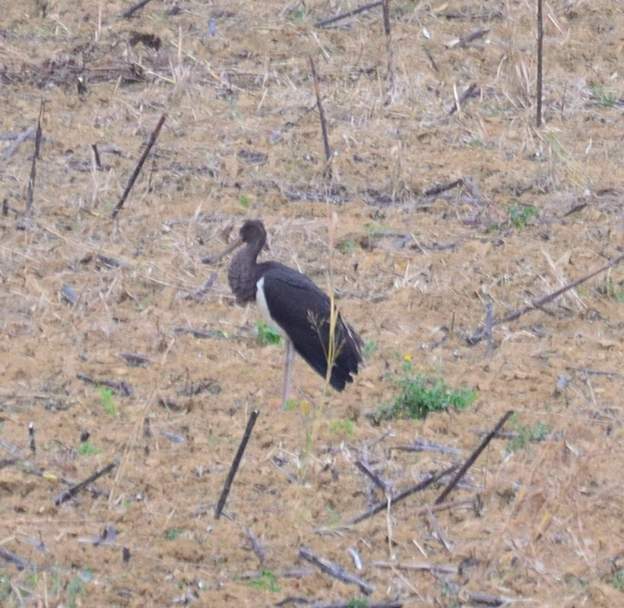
(242, 274)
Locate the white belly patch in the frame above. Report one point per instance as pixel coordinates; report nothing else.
(264, 307)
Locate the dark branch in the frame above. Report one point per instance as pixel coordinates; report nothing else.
(471, 459)
(324, 565)
(236, 463)
(139, 165)
(71, 492)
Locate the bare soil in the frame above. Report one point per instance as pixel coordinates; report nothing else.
(540, 516)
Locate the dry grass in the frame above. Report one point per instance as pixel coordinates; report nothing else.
(412, 273)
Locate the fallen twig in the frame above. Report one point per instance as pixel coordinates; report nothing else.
(139, 165)
(236, 463)
(19, 562)
(327, 172)
(133, 9)
(122, 387)
(383, 504)
(440, 568)
(355, 11)
(18, 140)
(472, 91)
(471, 459)
(71, 492)
(439, 188)
(335, 570)
(480, 333)
(380, 483)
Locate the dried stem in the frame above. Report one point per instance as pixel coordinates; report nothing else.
(540, 50)
(355, 11)
(30, 192)
(335, 570)
(236, 463)
(480, 333)
(317, 90)
(139, 165)
(383, 504)
(472, 458)
(71, 492)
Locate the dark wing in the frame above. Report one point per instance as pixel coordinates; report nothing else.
(302, 310)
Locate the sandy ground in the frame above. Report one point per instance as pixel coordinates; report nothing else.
(539, 517)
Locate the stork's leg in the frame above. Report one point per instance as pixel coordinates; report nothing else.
(290, 355)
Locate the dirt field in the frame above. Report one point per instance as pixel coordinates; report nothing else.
(538, 520)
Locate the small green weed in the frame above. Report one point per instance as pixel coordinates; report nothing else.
(520, 215)
(370, 348)
(617, 580)
(75, 587)
(346, 428)
(107, 401)
(420, 395)
(358, 602)
(173, 533)
(346, 246)
(603, 97)
(267, 581)
(613, 290)
(266, 334)
(528, 434)
(86, 448)
(244, 201)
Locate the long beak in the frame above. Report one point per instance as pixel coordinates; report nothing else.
(213, 259)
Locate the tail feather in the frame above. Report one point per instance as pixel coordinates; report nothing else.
(349, 357)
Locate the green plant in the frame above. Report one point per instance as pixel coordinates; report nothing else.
(244, 201)
(75, 587)
(520, 215)
(107, 401)
(369, 349)
(342, 427)
(605, 98)
(173, 533)
(267, 581)
(358, 602)
(528, 434)
(267, 334)
(617, 580)
(420, 395)
(86, 448)
(346, 246)
(613, 290)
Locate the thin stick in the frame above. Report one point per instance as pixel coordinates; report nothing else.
(317, 91)
(472, 91)
(30, 192)
(540, 302)
(139, 165)
(355, 11)
(236, 463)
(383, 504)
(389, 51)
(380, 483)
(540, 50)
(71, 492)
(31, 435)
(96, 157)
(324, 565)
(133, 9)
(471, 459)
(19, 562)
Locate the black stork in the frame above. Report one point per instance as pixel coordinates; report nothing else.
(293, 304)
